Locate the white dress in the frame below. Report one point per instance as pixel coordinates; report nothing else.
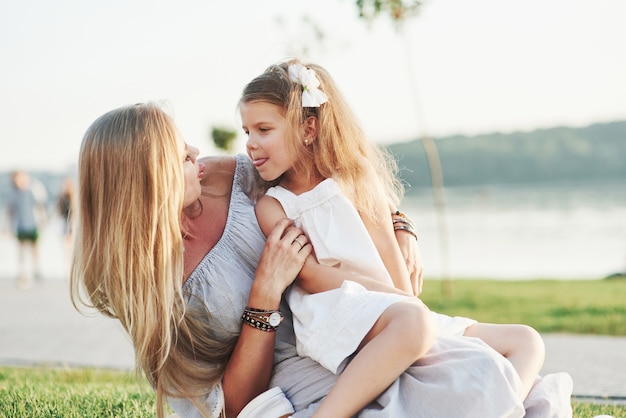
(330, 325)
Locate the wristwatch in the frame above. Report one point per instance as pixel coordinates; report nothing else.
(262, 319)
(274, 319)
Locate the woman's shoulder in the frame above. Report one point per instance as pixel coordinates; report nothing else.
(218, 169)
(222, 173)
(218, 163)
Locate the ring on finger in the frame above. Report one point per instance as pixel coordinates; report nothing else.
(296, 240)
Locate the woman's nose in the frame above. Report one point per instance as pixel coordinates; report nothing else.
(194, 152)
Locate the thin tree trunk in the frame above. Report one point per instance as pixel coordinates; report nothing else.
(434, 167)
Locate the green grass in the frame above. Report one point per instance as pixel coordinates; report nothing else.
(568, 306)
(586, 307)
(587, 410)
(46, 392)
(73, 393)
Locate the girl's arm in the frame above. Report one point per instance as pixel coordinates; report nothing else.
(315, 277)
(249, 368)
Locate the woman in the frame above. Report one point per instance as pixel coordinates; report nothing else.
(182, 307)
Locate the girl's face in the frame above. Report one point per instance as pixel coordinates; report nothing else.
(192, 171)
(267, 131)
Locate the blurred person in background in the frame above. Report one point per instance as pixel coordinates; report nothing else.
(27, 212)
(65, 205)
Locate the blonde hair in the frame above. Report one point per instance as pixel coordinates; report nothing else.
(365, 172)
(128, 255)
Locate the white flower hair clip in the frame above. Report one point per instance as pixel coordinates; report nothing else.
(312, 96)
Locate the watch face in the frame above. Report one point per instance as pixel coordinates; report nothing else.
(274, 319)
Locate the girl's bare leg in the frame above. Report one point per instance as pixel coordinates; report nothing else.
(404, 332)
(521, 344)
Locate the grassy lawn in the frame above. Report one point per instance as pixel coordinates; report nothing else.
(590, 307)
(61, 393)
(76, 393)
(577, 306)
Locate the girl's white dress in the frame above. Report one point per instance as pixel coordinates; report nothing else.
(330, 325)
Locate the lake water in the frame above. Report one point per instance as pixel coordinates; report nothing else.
(503, 232)
(523, 232)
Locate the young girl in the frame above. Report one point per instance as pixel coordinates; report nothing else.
(335, 185)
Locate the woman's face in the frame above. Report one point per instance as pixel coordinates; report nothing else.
(192, 171)
(267, 130)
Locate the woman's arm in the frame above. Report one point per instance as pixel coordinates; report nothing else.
(249, 369)
(385, 240)
(406, 236)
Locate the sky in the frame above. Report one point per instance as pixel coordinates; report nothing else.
(459, 67)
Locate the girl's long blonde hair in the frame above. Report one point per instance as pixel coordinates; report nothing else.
(128, 254)
(365, 172)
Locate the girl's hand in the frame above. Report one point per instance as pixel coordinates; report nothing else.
(413, 259)
(285, 251)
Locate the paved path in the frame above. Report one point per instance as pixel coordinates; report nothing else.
(40, 326)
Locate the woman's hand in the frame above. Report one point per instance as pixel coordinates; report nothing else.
(285, 251)
(412, 257)
(249, 369)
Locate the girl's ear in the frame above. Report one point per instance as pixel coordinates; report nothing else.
(311, 127)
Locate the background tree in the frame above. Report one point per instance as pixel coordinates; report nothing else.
(399, 11)
(223, 138)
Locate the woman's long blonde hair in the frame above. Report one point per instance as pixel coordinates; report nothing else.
(365, 172)
(128, 257)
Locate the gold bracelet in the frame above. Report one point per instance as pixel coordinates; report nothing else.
(399, 213)
(402, 215)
